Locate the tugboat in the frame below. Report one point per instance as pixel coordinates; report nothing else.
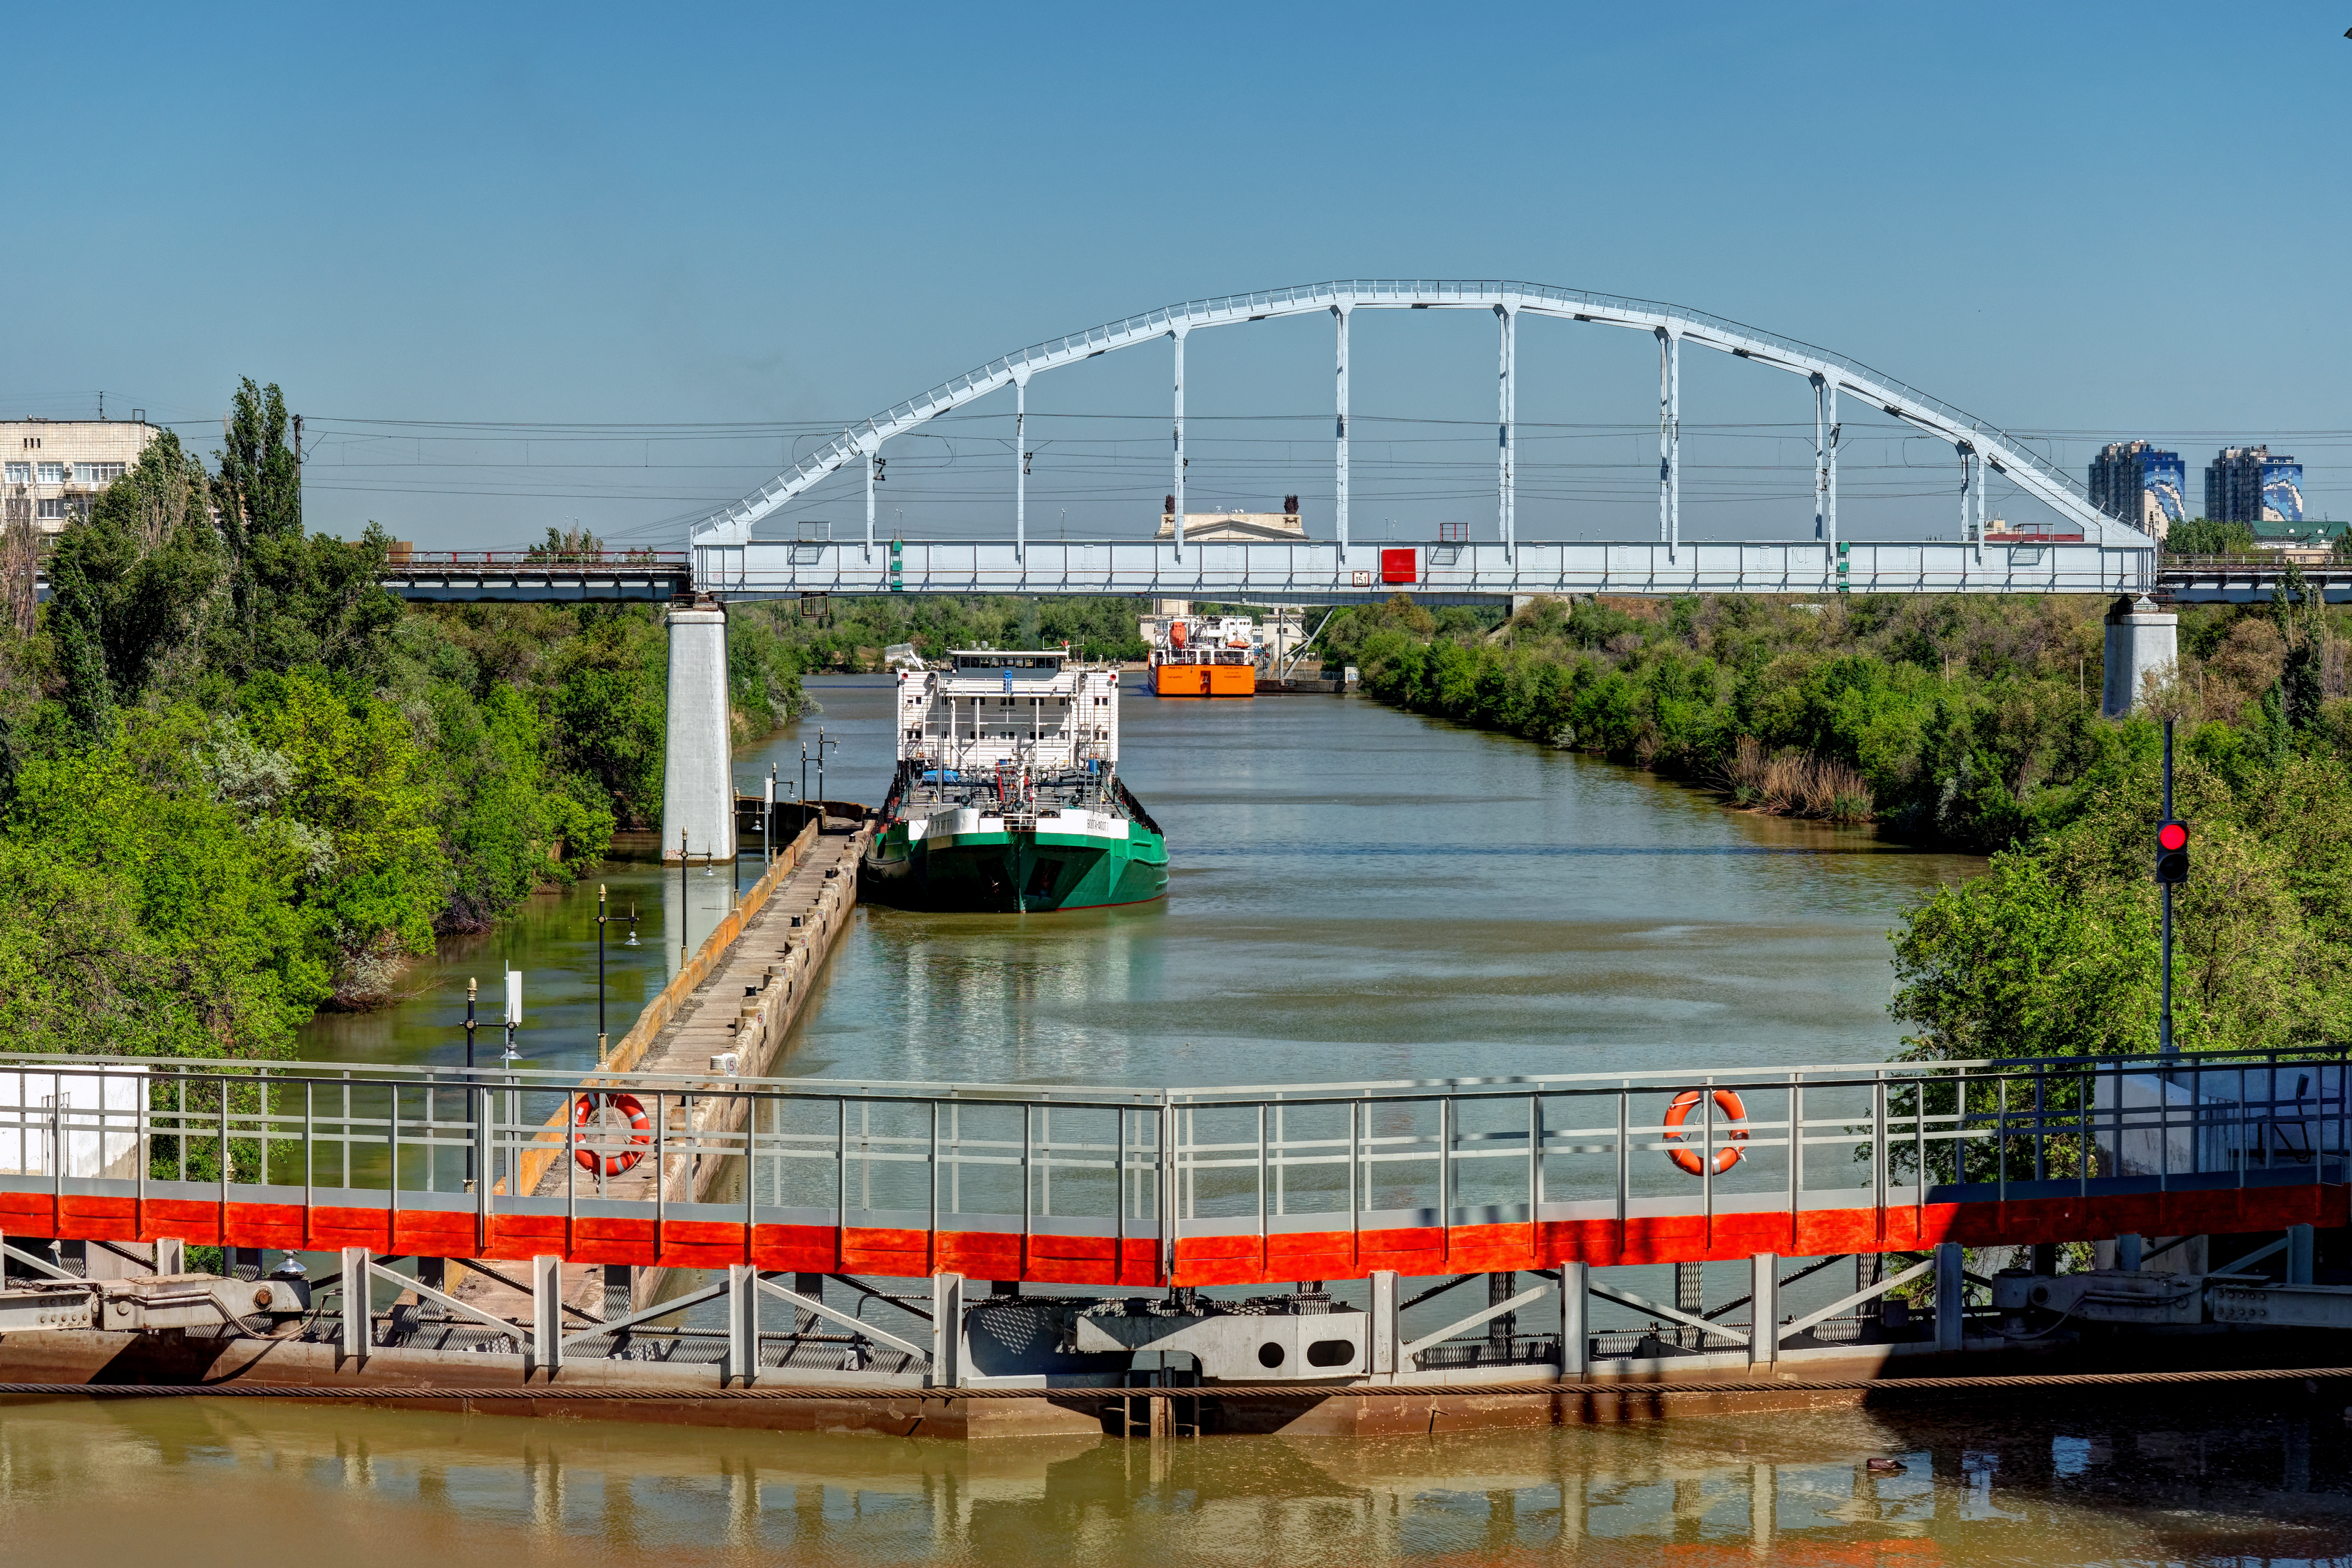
(1007, 797)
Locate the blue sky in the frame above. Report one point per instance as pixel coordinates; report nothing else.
(626, 228)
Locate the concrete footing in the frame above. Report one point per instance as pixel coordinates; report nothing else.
(697, 764)
(2142, 640)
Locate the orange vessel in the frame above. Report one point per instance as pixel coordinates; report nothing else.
(1204, 679)
(1204, 656)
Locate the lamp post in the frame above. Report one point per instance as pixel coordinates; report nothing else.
(821, 744)
(471, 986)
(681, 897)
(601, 918)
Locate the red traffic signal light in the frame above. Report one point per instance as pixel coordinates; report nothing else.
(2171, 851)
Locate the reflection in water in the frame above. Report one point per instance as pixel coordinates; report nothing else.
(223, 1482)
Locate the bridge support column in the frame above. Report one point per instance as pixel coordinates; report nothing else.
(2141, 640)
(1575, 1325)
(1764, 1320)
(698, 765)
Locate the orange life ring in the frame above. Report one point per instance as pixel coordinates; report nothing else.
(1728, 1153)
(641, 1132)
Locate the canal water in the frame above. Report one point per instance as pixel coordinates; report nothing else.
(201, 1483)
(1357, 893)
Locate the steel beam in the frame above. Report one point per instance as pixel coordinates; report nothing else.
(1507, 436)
(1176, 520)
(1670, 415)
(1825, 445)
(1019, 466)
(1339, 511)
(1319, 570)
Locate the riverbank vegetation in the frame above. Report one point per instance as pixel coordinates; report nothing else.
(1973, 723)
(240, 781)
(828, 636)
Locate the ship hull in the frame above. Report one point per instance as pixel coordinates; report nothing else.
(1204, 679)
(1012, 871)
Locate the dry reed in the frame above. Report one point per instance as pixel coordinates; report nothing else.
(1790, 783)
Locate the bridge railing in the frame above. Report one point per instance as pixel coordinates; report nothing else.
(505, 560)
(1201, 1185)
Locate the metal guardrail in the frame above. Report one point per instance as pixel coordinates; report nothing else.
(1161, 1183)
(1369, 571)
(504, 560)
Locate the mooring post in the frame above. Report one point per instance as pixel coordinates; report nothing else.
(742, 1324)
(1384, 1322)
(547, 1313)
(946, 1331)
(1950, 1285)
(1764, 1319)
(358, 1304)
(1575, 1312)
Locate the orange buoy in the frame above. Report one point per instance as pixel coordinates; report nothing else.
(641, 1132)
(1728, 1153)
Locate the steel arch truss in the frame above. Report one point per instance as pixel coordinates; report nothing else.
(2110, 556)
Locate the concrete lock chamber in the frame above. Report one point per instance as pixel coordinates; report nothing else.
(698, 761)
(2142, 639)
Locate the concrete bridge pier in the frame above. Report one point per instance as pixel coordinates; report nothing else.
(698, 761)
(2141, 639)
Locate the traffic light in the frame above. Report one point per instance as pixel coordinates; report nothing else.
(2171, 850)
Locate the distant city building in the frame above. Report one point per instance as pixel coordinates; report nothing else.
(50, 468)
(2247, 484)
(2135, 482)
(1236, 527)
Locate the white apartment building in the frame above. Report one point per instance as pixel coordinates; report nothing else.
(50, 468)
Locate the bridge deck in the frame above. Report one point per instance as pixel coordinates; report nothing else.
(1123, 1186)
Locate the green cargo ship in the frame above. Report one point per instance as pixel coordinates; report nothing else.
(1007, 797)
